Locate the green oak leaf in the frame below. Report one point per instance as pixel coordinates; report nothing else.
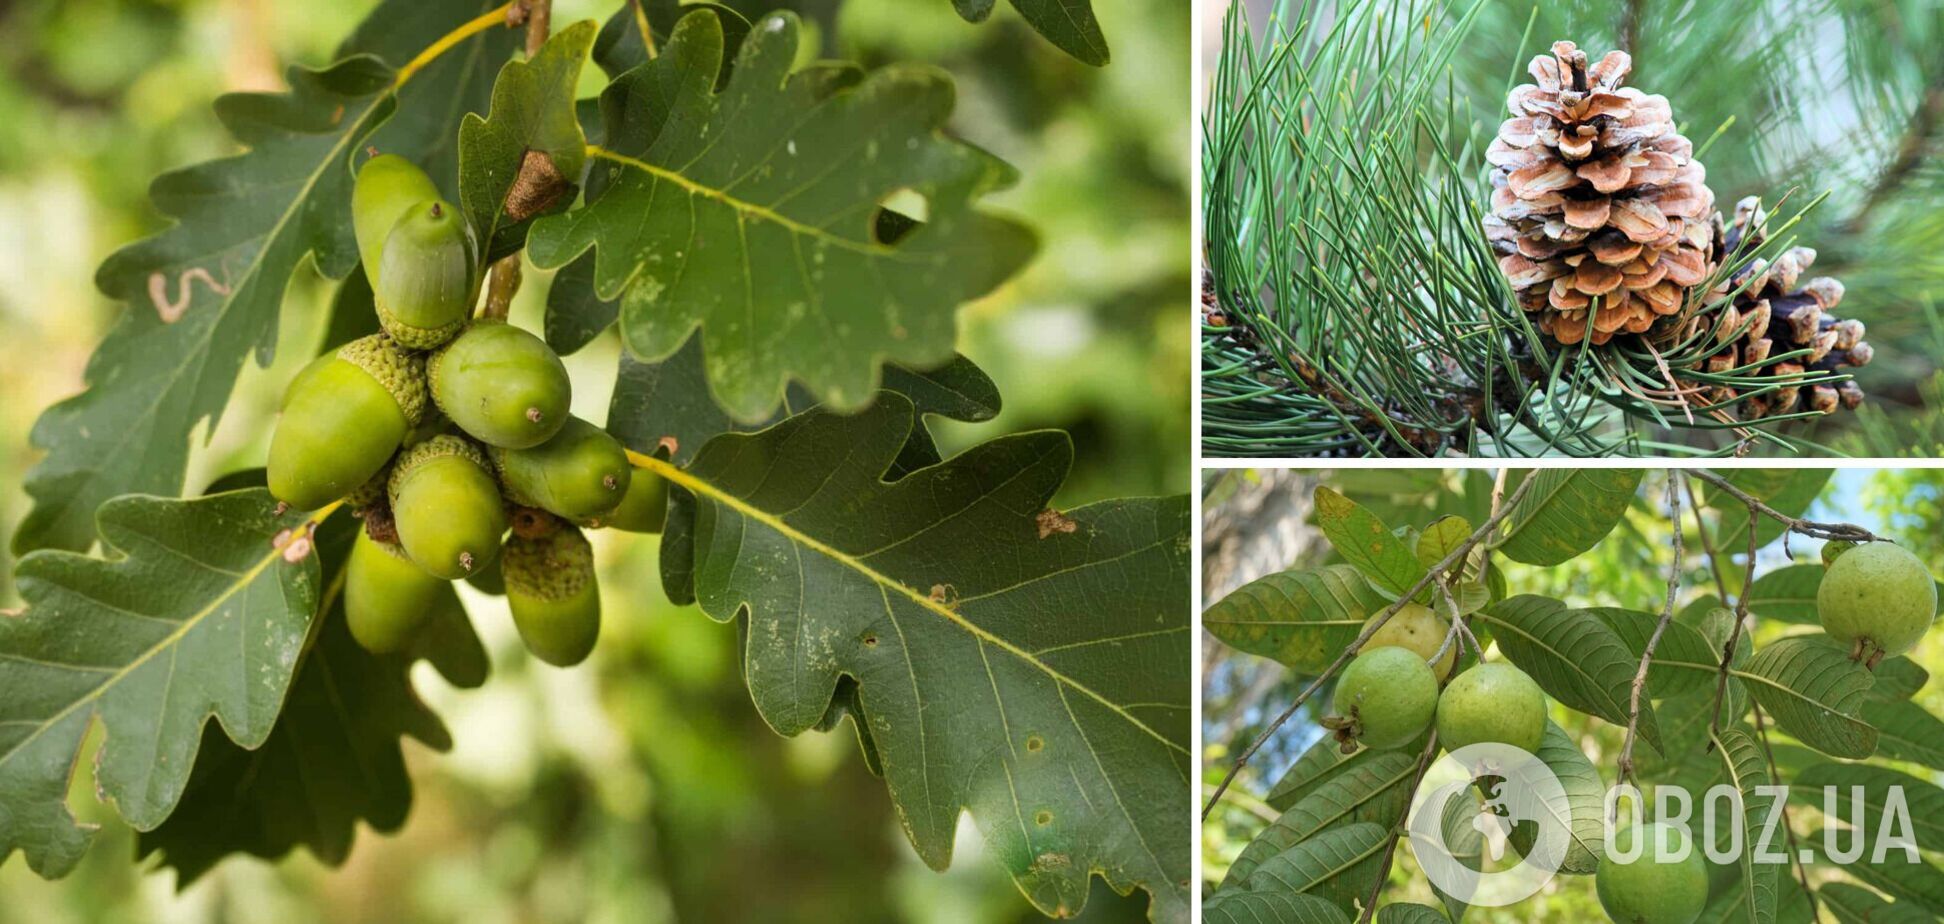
(196, 613)
(532, 119)
(204, 294)
(749, 213)
(1025, 664)
(1068, 24)
(620, 48)
(334, 757)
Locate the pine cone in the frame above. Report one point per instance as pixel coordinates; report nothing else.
(1596, 197)
(1782, 317)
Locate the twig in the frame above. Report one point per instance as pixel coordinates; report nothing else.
(1707, 545)
(1814, 530)
(1741, 618)
(537, 16)
(1795, 858)
(1456, 555)
(1626, 762)
(1390, 851)
(501, 287)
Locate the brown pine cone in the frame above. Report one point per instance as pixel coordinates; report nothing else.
(1598, 204)
(1782, 317)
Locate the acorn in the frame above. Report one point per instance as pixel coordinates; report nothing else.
(343, 419)
(447, 506)
(429, 283)
(501, 385)
(387, 187)
(387, 598)
(642, 509)
(555, 599)
(579, 473)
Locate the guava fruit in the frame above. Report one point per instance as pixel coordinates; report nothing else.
(1387, 695)
(1416, 628)
(1492, 702)
(1651, 890)
(1878, 599)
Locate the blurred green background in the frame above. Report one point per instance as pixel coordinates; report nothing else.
(642, 786)
(1257, 521)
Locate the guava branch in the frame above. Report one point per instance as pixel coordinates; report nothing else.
(1741, 620)
(1451, 560)
(1795, 857)
(1390, 850)
(1626, 762)
(1847, 532)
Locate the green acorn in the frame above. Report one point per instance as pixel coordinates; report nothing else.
(642, 509)
(555, 599)
(386, 597)
(579, 473)
(387, 187)
(501, 385)
(447, 506)
(343, 419)
(429, 283)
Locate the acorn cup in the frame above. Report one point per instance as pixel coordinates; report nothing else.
(387, 598)
(556, 601)
(501, 385)
(643, 508)
(580, 473)
(427, 282)
(343, 419)
(387, 187)
(447, 507)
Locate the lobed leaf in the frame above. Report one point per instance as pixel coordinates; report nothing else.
(531, 120)
(1025, 664)
(1068, 24)
(195, 612)
(701, 182)
(1303, 619)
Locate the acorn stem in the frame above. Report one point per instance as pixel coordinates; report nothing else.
(500, 289)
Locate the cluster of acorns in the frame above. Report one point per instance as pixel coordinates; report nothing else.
(444, 432)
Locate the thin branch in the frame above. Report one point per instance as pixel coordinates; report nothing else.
(1795, 857)
(1450, 560)
(1707, 545)
(1390, 851)
(1741, 619)
(501, 287)
(1814, 530)
(1626, 762)
(537, 16)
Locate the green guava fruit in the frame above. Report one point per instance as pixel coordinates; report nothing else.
(1416, 628)
(1834, 549)
(447, 507)
(501, 385)
(1492, 702)
(1878, 599)
(1388, 695)
(1650, 890)
(343, 418)
(550, 588)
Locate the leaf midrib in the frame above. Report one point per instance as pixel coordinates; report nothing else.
(701, 487)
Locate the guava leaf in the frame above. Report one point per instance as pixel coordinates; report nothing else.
(1786, 594)
(333, 757)
(1899, 678)
(532, 117)
(1068, 24)
(1375, 790)
(1746, 769)
(1338, 865)
(1789, 491)
(196, 612)
(1576, 658)
(1236, 907)
(1364, 541)
(1680, 644)
(1815, 693)
(1567, 511)
(1579, 811)
(1905, 731)
(749, 213)
(1406, 913)
(1303, 619)
(205, 293)
(1025, 664)
(1850, 904)
(1923, 798)
(1899, 875)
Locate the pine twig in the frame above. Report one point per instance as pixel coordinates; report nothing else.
(1390, 851)
(1626, 762)
(1450, 560)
